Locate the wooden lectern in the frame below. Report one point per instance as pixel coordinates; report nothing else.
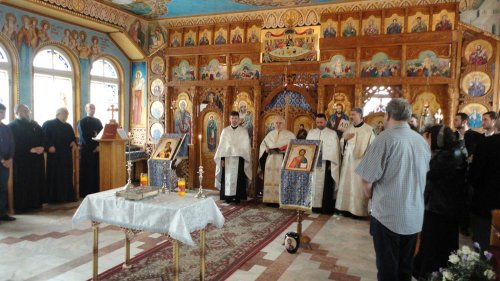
(112, 168)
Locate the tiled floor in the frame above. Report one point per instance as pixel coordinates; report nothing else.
(45, 245)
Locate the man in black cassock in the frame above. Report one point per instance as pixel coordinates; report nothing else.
(60, 142)
(88, 128)
(29, 165)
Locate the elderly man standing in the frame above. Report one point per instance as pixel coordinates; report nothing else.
(88, 128)
(393, 172)
(271, 153)
(233, 162)
(326, 175)
(6, 154)
(354, 143)
(60, 142)
(29, 163)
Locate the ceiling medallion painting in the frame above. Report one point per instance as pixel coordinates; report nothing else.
(155, 9)
(147, 8)
(273, 3)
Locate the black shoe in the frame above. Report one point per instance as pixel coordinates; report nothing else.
(7, 218)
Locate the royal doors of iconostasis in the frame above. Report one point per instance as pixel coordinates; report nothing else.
(210, 126)
(297, 108)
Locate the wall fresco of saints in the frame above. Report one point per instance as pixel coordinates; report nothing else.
(428, 64)
(380, 66)
(338, 67)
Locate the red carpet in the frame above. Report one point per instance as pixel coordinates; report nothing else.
(249, 227)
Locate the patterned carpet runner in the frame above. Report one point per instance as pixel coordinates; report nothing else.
(249, 227)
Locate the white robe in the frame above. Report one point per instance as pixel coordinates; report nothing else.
(350, 195)
(330, 150)
(272, 172)
(233, 144)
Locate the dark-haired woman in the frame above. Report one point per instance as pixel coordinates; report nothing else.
(444, 198)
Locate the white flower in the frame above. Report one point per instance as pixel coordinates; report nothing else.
(466, 250)
(489, 274)
(454, 259)
(447, 275)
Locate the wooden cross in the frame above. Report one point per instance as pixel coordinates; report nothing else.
(113, 110)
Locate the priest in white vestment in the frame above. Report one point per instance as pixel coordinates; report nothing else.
(354, 143)
(233, 161)
(271, 152)
(326, 175)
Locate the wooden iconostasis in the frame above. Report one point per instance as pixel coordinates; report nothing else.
(360, 59)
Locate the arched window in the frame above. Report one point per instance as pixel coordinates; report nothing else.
(5, 82)
(378, 98)
(104, 89)
(52, 85)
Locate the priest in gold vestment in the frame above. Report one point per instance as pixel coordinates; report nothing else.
(354, 143)
(326, 173)
(271, 152)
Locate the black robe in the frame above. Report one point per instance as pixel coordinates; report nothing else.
(29, 168)
(88, 128)
(59, 164)
(241, 184)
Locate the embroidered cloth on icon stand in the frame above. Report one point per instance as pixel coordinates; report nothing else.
(296, 191)
(157, 168)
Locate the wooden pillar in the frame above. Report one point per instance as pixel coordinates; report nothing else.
(358, 61)
(321, 98)
(228, 97)
(193, 159)
(406, 92)
(358, 95)
(403, 60)
(169, 91)
(496, 83)
(255, 144)
(452, 103)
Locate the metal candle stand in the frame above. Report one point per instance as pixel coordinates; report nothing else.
(200, 193)
(129, 165)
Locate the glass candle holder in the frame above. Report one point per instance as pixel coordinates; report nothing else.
(181, 184)
(144, 179)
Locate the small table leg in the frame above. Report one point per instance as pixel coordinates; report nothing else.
(95, 251)
(126, 264)
(202, 254)
(176, 259)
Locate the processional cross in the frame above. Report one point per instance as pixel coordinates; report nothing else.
(113, 110)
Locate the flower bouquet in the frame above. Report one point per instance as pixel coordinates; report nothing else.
(466, 265)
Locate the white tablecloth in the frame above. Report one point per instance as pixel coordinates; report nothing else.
(166, 213)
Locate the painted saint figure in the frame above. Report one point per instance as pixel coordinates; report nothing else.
(136, 33)
(10, 28)
(444, 24)
(211, 134)
(335, 120)
(204, 40)
(372, 28)
(182, 120)
(300, 161)
(220, 39)
(329, 32)
(349, 30)
(478, 56)
(395, 27)
(302, 133)
(137, 103)
(419, 26)
(476, 87)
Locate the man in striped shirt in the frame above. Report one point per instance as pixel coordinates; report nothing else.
(393, 173)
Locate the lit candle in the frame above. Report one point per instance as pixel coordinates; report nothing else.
(199, 138)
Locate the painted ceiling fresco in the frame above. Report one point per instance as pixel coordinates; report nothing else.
(182, 8)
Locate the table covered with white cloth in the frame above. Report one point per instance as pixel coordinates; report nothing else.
(166, 213)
